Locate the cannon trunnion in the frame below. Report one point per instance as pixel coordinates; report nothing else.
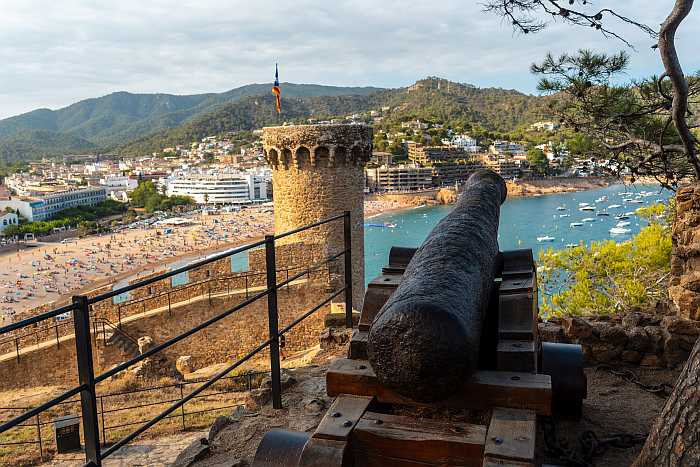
(466, 340)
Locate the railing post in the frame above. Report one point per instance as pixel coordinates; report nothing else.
(169, 310)
(182, 408)
(271, 272)
(102, 416)
(119, 311)
(347, 235)
(38, 432)
(86, 377)
(17, 347)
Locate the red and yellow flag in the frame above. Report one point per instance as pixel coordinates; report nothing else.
(277, 91)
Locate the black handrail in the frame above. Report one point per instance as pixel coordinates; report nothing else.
(81, 320)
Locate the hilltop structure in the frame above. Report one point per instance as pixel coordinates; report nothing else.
(318, 172)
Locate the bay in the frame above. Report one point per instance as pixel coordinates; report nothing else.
(522, 221)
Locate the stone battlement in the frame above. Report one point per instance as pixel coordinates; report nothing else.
(304, 146)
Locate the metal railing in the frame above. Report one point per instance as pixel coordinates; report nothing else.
(243, 382)
(87, 379)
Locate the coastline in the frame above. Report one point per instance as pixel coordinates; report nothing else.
(148, 252)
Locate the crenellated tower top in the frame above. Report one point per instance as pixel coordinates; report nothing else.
(303, 146)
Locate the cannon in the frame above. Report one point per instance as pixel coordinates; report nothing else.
(448, 326)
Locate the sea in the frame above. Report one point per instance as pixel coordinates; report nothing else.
(523, 221)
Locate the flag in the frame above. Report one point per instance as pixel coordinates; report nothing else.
(277, 91)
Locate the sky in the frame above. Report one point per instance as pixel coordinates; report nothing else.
(57, 52)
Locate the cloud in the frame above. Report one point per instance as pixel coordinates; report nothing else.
(56, 53)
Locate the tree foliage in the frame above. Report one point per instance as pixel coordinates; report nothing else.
(608, 277)
(146, 196)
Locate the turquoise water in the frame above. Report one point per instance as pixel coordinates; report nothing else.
(522, 221)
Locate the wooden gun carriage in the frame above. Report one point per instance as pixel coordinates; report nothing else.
(510, 377)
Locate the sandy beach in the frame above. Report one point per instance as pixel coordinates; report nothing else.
(50, 273)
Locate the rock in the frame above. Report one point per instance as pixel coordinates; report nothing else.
(576, 328)
(257, 398)
(605, 353)
(656, 337)
(286, 380)
(314, 407)
(638, 340)
(676, 325)
(198, 450)
(673, 351)
(219, 424)
(551, 332)
(637, 318)
(631, 356)
(145, 344)
(337, 319)
(614, 335)
(652, 361)
(185, 364)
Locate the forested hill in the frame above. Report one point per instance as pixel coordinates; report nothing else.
(143, 123)
(107, 122)
(455, 104)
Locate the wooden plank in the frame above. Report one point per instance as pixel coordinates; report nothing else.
(378, 292)
(512, 435)
(325, 453)
(516, 355)
(517, 283)
(358, 345)
(493, 462)
(484, 389)
(341, 417)
(412, 440)
(517, 316)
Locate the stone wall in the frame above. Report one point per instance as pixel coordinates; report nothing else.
(318, 173)
(228, 339)
(684, 289)
(635, 339)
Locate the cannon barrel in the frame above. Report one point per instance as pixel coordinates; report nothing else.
(424, 342)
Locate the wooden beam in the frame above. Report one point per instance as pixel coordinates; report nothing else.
(484, 390)
(516, 355)
(381, 439)
(325, 453)
(358, 345)
(512, 434)
(341, 417)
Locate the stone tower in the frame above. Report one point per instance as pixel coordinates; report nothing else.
(318, 172)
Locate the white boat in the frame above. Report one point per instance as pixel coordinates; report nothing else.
(622, 224)
(588, 219)
(629, 214)
(637, 201)
(576, 224)
(571, 245)
(546, 238)
(563, 215)
(587, 208)
(601, 199)
(619, 231)
(602, 213)
(561, 208)
(621, 218)
(583, 204)
(614, 206)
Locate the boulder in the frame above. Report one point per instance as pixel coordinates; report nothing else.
(653, 361)
(551, 332)
(638, 340)
(195, 452)
(605, 353)
(656, 338)
(286, 380)
(145, 344)
(219, 424)
(614, 335)
(676, 325)
(576, 328)
(185, 364)
(257, 398)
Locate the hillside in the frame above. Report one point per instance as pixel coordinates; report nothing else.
(108, 121)
(143, 123)
(492, 108)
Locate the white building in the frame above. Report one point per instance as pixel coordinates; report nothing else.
(7, 219)
(465, 142)
(221, 187)
(45, 207)
(115, 182)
